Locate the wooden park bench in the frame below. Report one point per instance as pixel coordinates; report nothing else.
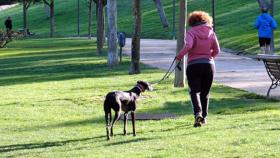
(28, 33)
(272, 65)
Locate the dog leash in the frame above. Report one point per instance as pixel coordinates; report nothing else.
(168, 73)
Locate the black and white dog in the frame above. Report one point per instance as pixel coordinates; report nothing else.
(123, 101)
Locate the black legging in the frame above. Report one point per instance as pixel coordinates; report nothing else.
(200, 78)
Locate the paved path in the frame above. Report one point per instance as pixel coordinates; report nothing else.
(232, 70)
(3, 7)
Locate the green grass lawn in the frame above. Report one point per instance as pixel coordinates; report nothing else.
(234, 23)
(52, 93)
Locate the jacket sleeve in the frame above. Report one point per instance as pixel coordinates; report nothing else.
(215, 46)
(189, 40)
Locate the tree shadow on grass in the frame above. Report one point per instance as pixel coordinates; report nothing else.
(130, 141)
(273, 129)
(244, 103)
(30, 146)
(57, 66)
(238, 104)
(184, 126)
(241, 103)
(66, 124)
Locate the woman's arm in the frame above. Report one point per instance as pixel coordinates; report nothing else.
(215, 47)
(187, 46)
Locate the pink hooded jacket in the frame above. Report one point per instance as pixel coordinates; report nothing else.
(200, 43)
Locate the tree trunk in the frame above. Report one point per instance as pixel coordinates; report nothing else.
(26, 5)
(263, 4)
(50, 5)
(89, 18)
(100, 27)
(52, 18)
(135, 45)
(112, 34)
(78, 18)
(180, 76)
(24, 8)
(161, 12)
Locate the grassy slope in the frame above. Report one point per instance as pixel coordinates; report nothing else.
(52, 93)
(235, 20)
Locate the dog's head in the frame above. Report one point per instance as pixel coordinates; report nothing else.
(144, 86)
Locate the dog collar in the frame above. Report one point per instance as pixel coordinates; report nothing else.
(142, 89)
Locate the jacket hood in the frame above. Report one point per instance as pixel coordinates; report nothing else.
(202, 31)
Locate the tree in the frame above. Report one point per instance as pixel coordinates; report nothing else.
(263, 4)
(25, 5)
(161, 12)
(180, 76)
(90, 2)
(100, 24)
(112, 34)
(135, 48)
(78, 18)
(50, 3)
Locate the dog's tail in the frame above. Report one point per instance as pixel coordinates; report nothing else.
(107, 108)
(107, 111)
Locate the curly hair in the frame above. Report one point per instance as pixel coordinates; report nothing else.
(199, 17)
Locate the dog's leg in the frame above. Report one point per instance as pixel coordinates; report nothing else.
(107, 125)
(133, 123)
(125, 123)
(110, 116)
(117, 115)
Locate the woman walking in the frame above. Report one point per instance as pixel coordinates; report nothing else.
(201, 46)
